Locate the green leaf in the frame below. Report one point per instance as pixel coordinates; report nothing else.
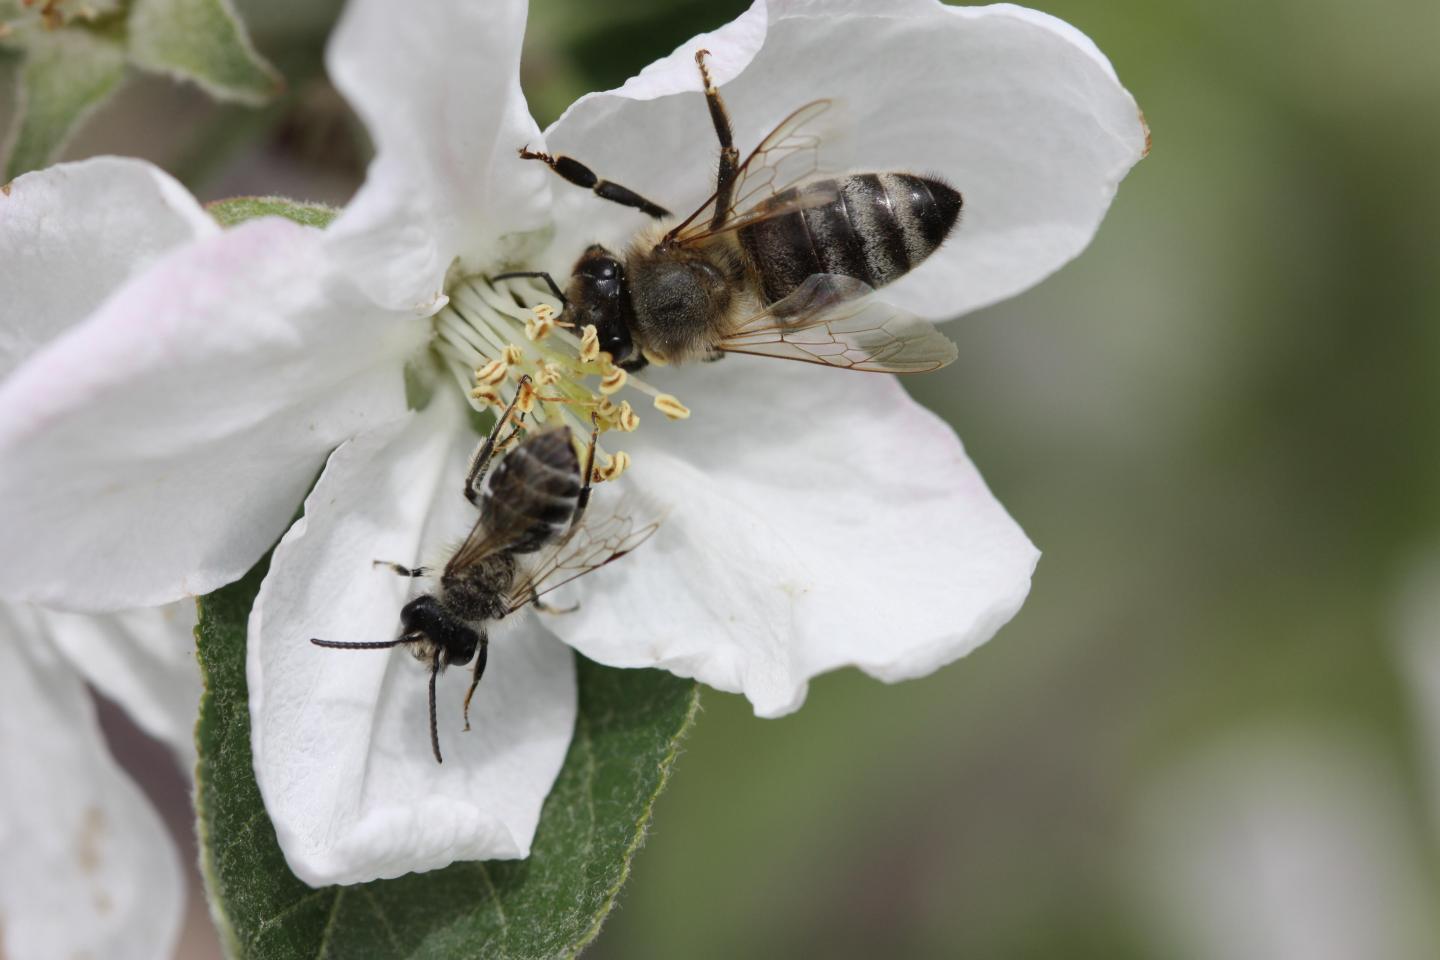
(64, 76)
(239, 209)
(202, 41)
(551, 905)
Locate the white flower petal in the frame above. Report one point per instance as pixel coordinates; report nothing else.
(1284, 845)
(144, 660)
(816, 519)
(158, 449)
(341, 738)
(88, 867)
(1018, 110)
(72, 234)
(438, 86)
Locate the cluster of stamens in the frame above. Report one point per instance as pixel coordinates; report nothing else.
(492, 334)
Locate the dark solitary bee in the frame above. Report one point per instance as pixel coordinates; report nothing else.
(772, 263)
(536, 499)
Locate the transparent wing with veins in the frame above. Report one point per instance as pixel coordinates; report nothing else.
(835, 321)
(804, 144)
(589, 548)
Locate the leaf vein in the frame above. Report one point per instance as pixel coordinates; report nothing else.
(495, 899)
(265, 925)
(384, 921)
(329, 930)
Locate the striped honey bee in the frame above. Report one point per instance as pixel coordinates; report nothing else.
(778, 261)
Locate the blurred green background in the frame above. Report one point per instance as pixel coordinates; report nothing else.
(1222, 427)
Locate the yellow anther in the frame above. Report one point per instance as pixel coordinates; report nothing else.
(540, 322)
(492, 373)
(612, 468)
(626, 419)
(613, 380)
(487, 395)
(525, 397)
(548, 374)
(605, 411)
(512, 354)
(589, 344)
(672, 408)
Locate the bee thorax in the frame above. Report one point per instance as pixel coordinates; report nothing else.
(681, 301)
(480, 592)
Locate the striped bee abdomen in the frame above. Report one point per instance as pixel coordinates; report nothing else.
(531, 495)
(879, 227)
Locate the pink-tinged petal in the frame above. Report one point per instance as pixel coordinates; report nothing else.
(143, 660)
(341, 738)
(89, 870)
(438, 86)
(1016, 109)
(816, 519)
(156, 450)
(70, 235)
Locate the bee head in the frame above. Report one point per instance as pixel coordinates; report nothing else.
(431, 631)
(598, 297)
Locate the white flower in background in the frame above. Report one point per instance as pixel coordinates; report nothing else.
(90, 869)
(814, 518)
(1282, 843)
(1291, 842)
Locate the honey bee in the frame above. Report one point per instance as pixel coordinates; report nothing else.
(775, 262)
(536, 500)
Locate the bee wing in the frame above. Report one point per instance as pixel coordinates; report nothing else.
(480, 543)
(803, 144)
(589, 548)
(495, 530)
(835, 321)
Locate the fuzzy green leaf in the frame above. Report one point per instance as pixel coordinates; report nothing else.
(235, 210)
(64, 76)
(202, 41)
(551, 905)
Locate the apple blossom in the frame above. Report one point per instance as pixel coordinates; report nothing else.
(813, 518)
(89, 867)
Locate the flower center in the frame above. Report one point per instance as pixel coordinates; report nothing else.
(493, 333)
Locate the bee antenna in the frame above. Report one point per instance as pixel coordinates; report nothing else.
(367, 645)
(434, 727)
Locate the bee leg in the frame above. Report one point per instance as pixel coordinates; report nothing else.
(480, 463)
(588, 476)
(537, 275)
(729, 156)
(400, 568)
(434, 727)
(481, 655)
(582, 176)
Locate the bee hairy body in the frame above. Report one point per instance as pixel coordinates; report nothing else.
(533, 491)
(534, 499)
(878, 227)
(780, 260)
(680, 301)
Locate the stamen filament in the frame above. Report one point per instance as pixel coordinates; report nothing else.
(490, 337)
